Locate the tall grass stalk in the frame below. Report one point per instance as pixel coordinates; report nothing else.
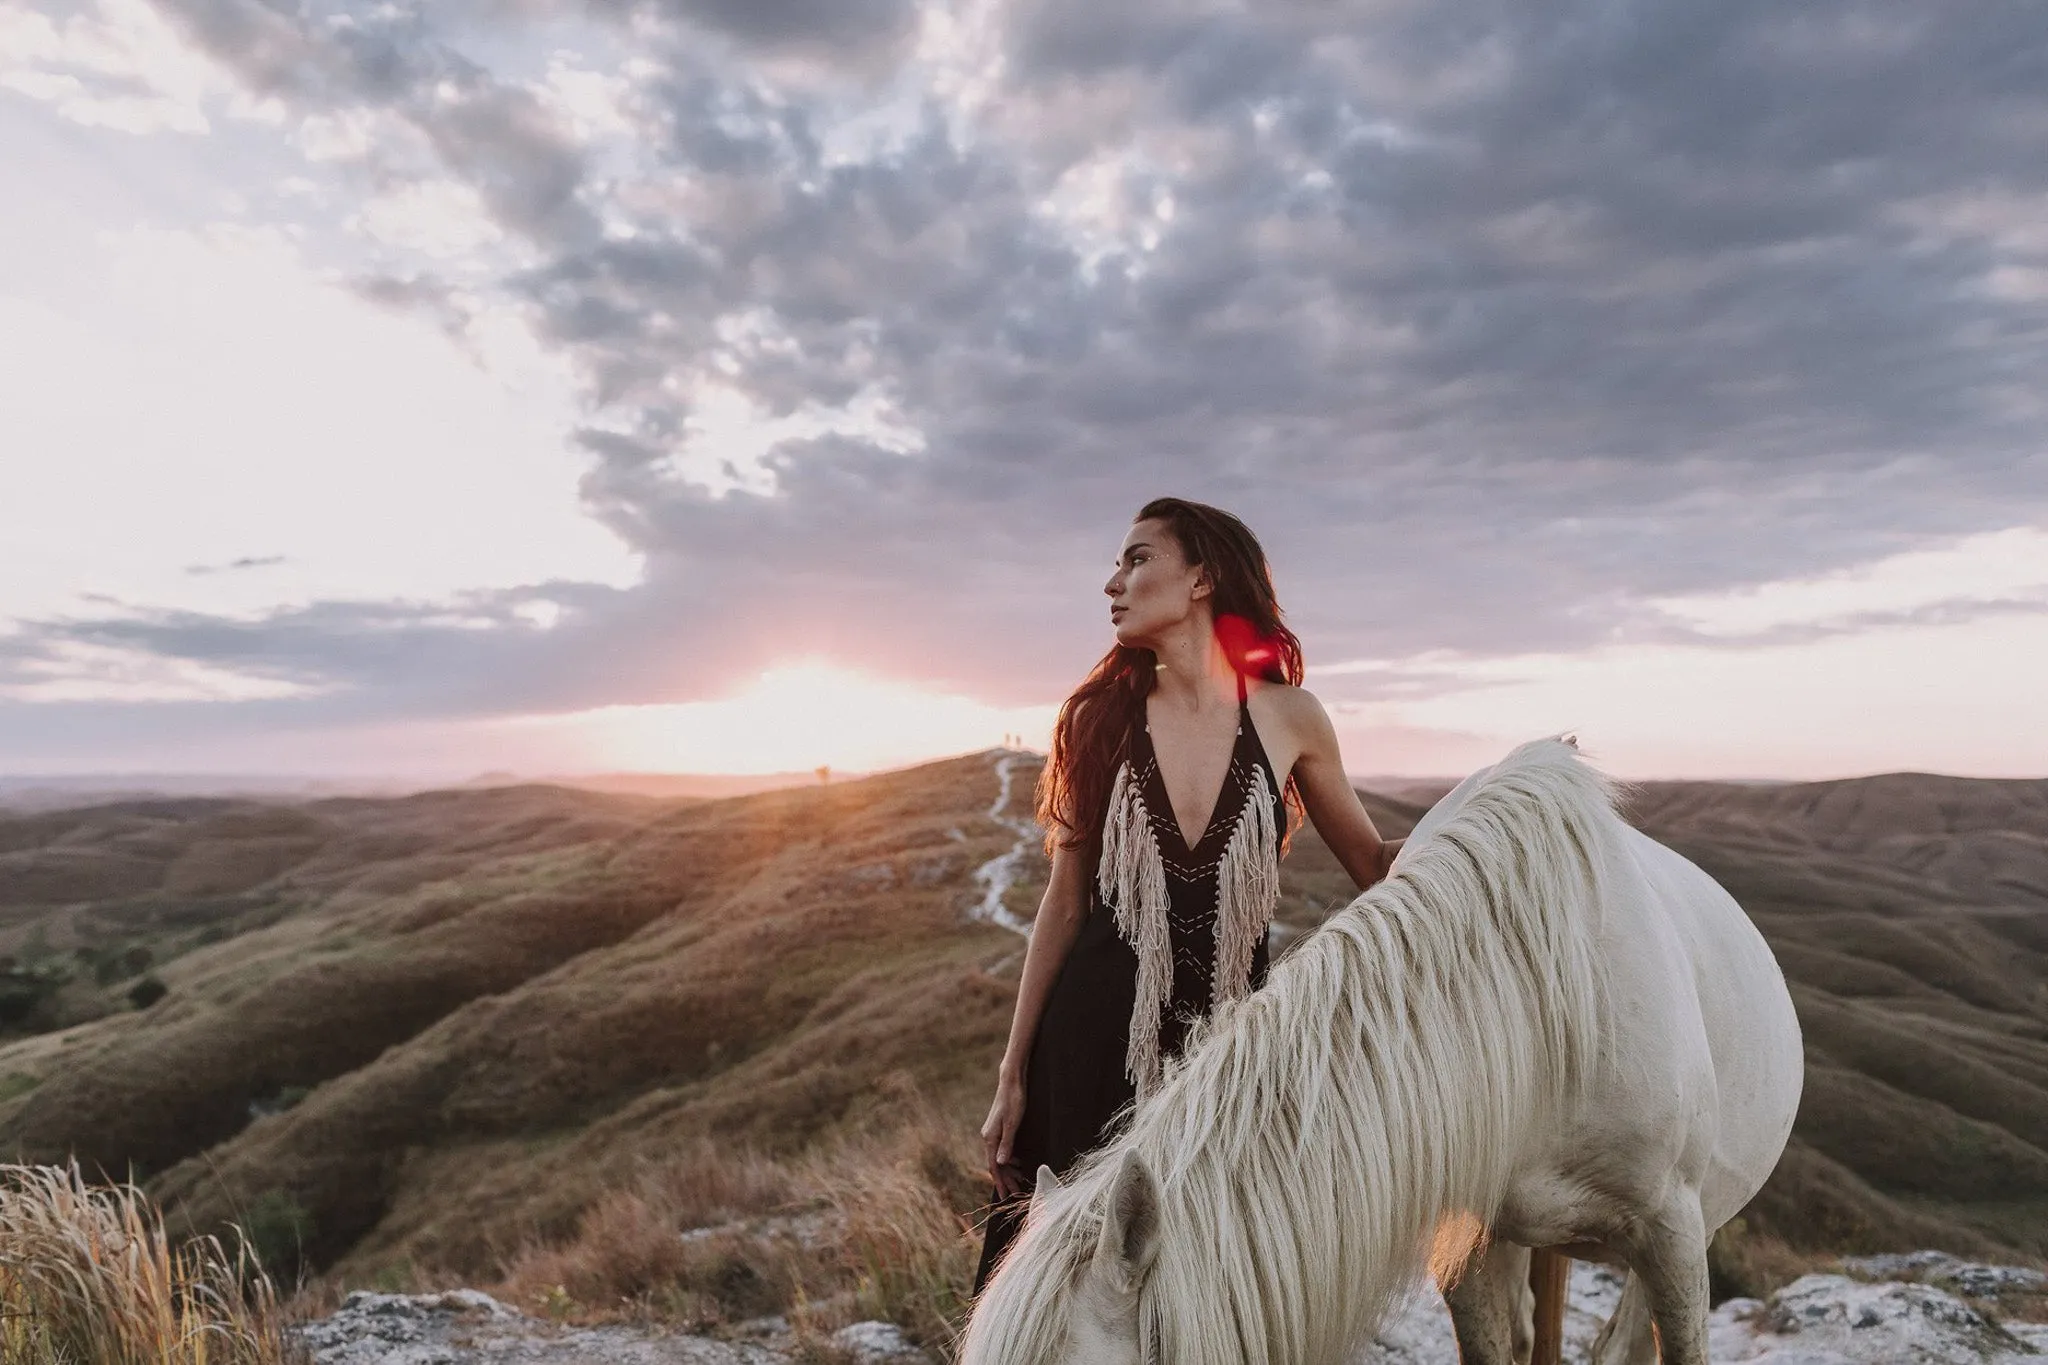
(902, 1198)
(88, 1276)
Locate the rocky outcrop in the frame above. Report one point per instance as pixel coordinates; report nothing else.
(1822, 1319)
(465, 1327)
(1926, 1308)
(1945, 1314)
(1950, 1272)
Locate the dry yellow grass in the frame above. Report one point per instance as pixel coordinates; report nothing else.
(873, 1225)
(88, 1276)
(1745, 1263)
(904, 1204)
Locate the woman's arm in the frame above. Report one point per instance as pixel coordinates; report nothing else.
(1327, 795)
(1052, 934)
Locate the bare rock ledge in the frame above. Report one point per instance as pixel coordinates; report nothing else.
(465, 1327)
(1816, 1320)
(1925, 1308)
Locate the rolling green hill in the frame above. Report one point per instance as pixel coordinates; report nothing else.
(425, 1030)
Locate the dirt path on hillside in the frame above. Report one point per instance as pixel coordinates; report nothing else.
(996, 876)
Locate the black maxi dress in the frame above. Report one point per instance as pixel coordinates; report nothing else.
(1074, 1082)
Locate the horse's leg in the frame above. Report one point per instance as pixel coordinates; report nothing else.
(1625, 1338)
(1490, 1306)
(1550, 1278)
(1668, 1255)
(1522, 1312)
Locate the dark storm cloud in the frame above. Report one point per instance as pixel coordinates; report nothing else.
(844, 27)
(1497, 322)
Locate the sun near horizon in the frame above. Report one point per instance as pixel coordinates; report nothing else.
(797, 717)
(1806, 711)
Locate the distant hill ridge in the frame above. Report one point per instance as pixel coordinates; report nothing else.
(421, 1028)
(70, 791)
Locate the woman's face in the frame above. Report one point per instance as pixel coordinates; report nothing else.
(1154, 587)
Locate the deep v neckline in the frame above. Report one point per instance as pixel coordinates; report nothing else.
(1166, 796)
(1187, 848)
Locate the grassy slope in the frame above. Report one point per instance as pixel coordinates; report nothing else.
(504, 1003)
(1910, 913)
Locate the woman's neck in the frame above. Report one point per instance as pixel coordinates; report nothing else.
(1194, 674)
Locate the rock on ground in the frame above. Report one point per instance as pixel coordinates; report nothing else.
(1817, 1320)
(1823, 1319)
(1950, 1272)
(1420, 1332)
(464, 1327)
(875, 1343)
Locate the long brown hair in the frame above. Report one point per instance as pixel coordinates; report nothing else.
(1090, 737)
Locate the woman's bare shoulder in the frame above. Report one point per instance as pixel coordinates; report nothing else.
(1296, 708)
(1287, 699)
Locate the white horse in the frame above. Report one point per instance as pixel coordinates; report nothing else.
(1543, 1029)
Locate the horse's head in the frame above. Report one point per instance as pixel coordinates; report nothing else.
(1062, 1296)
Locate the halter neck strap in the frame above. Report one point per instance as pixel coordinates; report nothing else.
(1240, 689)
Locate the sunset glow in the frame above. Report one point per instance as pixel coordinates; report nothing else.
(797, 717)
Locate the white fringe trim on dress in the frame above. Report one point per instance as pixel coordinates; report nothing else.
(1247, 891)
(1132, 879)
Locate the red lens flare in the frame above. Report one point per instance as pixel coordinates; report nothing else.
(1249, 650)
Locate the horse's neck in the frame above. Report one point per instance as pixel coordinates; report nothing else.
(1386, 1078)
(1446, 806)
(1340, 1267)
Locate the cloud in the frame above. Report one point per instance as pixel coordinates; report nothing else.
(236, 565)
(120, 70)
(493, 138)
(814, 26)
(1498, 326)
(1948, 611)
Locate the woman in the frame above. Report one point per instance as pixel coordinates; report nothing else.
(1160, 893)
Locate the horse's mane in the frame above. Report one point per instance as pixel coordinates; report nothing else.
(1314, 1135)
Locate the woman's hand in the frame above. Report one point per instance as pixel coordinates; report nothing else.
(999, 1130)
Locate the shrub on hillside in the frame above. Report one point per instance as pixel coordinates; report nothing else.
(89, 1274)
(147, 992)
(277, 1228)
(667, 1247)
(110, 966)
(27, 992)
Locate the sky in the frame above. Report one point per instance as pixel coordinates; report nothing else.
(426, 387)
